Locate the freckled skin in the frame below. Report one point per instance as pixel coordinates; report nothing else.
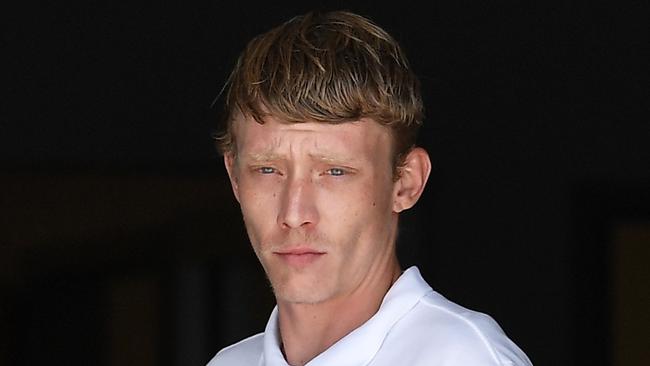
(286, 178)
(328, 189)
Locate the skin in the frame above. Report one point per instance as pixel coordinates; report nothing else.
(321, 208)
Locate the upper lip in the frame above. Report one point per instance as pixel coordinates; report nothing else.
(298, 251)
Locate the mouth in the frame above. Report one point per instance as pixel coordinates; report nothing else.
(299, 257)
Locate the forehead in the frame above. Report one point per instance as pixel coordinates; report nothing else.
(354, 140)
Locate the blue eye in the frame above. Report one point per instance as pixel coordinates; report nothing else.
(337, 172)
(266, 170)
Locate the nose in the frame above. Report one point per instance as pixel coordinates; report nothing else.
(298, 207)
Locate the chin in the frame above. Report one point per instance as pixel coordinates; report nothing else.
(293, 298)
(300, 293)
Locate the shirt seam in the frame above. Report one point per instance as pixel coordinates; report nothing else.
(488, 345)
(392, 326)
(240, 342)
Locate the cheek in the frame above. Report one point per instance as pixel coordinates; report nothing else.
(256, 193)
(377, 191)
(376, 209)
(363, 207)
(258, 210)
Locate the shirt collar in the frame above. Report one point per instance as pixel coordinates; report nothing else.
(360, 345)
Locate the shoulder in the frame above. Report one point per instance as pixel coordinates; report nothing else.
(243, 353)
(440, 329)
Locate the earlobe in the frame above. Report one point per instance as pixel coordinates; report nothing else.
(413, 178)
(229, 162)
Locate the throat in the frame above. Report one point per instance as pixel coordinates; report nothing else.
(307, 330)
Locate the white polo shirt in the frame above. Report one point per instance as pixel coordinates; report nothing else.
(414, 326)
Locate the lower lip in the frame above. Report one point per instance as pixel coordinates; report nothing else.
(300, 260)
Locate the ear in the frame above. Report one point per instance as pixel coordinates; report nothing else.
(229, 161)
(412, 179)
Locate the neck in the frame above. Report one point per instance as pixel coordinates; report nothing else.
(309, 329)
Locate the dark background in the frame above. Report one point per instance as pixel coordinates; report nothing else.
(120, 241)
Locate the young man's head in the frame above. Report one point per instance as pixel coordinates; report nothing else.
(326, 67)
(322, 118)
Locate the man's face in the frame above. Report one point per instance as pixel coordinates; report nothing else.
(317, 202)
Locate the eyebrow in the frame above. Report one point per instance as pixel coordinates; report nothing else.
(265, 156)
(326, 157)
(332, 158)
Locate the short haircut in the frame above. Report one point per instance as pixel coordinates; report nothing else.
(331, 67)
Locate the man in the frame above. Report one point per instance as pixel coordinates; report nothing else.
(323, 113)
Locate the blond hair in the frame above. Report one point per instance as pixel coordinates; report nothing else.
(329, 67)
